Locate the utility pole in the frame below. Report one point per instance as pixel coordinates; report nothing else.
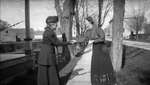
(28, 40)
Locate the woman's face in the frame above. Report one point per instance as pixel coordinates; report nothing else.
(53, 26)
(88, 24)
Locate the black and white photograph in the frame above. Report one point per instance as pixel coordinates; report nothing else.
(74, 42)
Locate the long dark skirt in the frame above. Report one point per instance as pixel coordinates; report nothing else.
(47, 75)
(101, 67)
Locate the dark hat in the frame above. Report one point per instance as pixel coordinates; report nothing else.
(52, 19)
(90, 19)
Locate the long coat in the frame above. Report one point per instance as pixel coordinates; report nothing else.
(47, 71)
(47, 52)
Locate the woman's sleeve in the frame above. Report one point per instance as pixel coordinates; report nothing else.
(87, 34)
(100, 35)
(55, 41)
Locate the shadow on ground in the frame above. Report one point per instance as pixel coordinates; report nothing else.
(29, 78)
(136, 69)
(145, 77)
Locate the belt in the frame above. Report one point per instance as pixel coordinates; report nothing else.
(46, 65)
(101, 42)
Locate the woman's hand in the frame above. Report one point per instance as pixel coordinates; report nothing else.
(99, 40)
(72, 42)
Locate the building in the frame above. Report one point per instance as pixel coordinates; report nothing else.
(14, 34)
(126, 30)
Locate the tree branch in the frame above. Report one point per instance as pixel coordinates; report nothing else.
(58, 8)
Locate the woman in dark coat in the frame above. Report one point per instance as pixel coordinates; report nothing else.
(47, 72)
(101, 67)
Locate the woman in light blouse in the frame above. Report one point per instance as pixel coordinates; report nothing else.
(101, 67)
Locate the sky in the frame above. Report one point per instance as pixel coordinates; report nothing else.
(12, 11)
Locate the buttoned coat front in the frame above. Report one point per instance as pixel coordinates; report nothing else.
(47, 54)
(47, 71)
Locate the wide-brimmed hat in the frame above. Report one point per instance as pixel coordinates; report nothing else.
(52, 19)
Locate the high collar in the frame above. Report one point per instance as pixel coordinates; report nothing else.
(49, 28)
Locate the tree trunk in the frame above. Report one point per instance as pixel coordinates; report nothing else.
(77, 18)
(66, 16)
(59, 13)
(100, 3)
(117, 36)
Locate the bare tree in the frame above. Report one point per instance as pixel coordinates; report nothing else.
(81, 12)
(83, 9)
(136, 22)
(135, 18)
(77, 17)
(100, 3)
(65, 14)
(107, 7)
